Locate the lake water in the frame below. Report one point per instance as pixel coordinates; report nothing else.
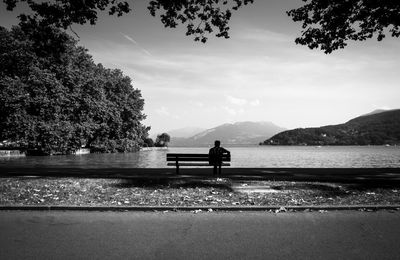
(256, 156)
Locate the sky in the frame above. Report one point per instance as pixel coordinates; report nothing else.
(259, 74)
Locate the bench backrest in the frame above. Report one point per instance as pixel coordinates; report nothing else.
(193, 157)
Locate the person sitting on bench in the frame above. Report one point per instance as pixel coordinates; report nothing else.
(215, 156)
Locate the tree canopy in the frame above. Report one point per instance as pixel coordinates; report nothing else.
(55, 99)
(162, 140)
(328, 25)
(201, 17)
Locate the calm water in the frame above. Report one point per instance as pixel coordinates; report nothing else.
(256, 156)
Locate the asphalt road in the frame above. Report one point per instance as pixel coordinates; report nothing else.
(217, 235)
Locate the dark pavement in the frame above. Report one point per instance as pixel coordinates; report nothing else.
(217, 235)
(377, 176)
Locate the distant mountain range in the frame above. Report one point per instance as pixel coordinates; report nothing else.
(185, 132)
(376, 128)
(240, 133)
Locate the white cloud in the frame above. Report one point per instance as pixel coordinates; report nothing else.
(276, 81)
(264, 36)
(255, 102)
(236, 101)
(163, 111)
(136, 43)
(232, 111)
(198, 103)
(381, 107)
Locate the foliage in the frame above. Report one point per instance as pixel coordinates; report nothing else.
(330, 24)
(148, 142)
(200, 16)
(162, 140)
(326, 24)
(377, 129)
(55, 99)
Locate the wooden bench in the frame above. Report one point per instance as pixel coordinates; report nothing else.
(193, 159)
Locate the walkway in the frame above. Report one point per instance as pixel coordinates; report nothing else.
(217, 235)
(376, 176)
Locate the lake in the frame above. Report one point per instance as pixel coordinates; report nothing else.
(254, 156)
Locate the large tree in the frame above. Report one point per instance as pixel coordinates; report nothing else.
(54, 98)
(201, 17)
(330, 24)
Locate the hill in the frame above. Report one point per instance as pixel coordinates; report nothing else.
(376, 128)
(240, 133)
(185, 132)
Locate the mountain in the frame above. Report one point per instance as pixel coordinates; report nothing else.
(376, 111)
(185, 132)
(240, 133)
(370, 129)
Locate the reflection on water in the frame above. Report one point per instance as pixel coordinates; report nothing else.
(256, 156)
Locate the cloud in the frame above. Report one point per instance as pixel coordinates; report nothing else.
(197, 103)
(136, 43)
(232, 111)
(381, 107)
(255, 75)
(163, 111)
(242, 101)
(265, 36)
(129, 38)
(237, 101)
(255, 102)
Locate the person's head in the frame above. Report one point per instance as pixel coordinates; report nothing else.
(217, 143)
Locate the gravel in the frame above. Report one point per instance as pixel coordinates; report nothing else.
(188, 192)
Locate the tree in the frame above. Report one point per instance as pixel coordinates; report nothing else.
(330, 24)
(55, 99)
(326, 24)
(162, 140)
(148, 142)
(201, 17)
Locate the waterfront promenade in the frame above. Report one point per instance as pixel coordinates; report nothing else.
(376, 176)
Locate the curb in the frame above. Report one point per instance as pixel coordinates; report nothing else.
(197, 208)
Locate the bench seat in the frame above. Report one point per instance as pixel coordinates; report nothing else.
(193, 159)
(196, 164)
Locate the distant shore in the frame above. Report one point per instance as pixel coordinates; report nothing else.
(153, 148)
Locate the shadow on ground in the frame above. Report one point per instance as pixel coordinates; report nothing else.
(325, 188)
(176, 183)
(231, 185)
(334, 189)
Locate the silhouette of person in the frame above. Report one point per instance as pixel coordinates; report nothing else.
(215, 156)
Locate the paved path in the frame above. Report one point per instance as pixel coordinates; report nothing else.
(374, 176)
(251, 235)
